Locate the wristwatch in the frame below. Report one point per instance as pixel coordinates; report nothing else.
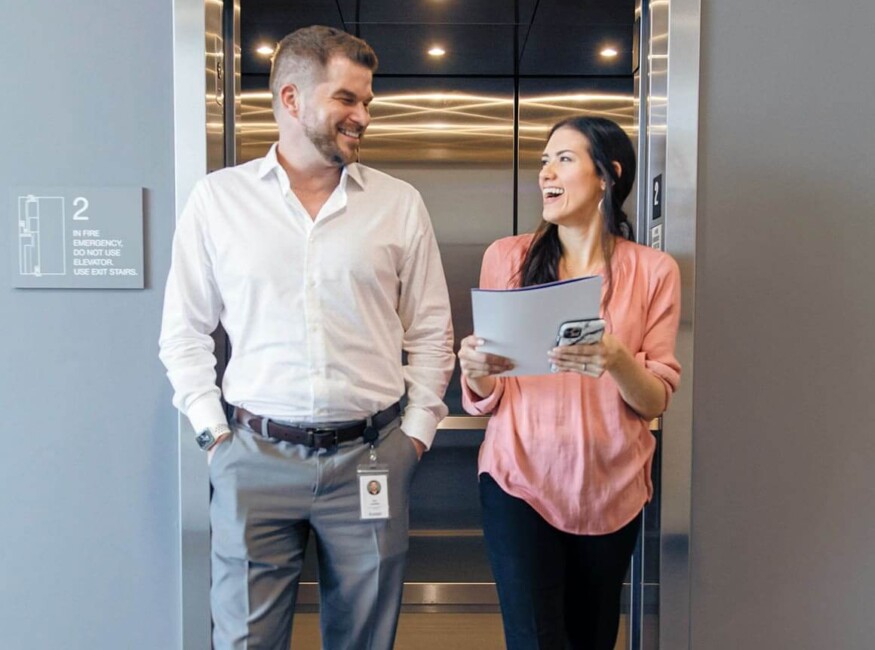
(208, 437)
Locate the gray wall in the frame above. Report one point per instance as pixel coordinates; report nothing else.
(784, 448)
(88, 488)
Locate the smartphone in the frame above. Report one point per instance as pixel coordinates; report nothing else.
(580, 331)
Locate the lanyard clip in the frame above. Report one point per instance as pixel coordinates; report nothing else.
(370, 436)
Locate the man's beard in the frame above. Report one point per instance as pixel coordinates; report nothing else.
(326, 144)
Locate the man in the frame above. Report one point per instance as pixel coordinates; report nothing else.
(322, 272)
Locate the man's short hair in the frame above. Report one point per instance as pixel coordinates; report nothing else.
(301, 57)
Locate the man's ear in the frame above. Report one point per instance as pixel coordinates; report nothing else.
(290, 99)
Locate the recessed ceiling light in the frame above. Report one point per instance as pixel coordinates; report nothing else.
(265, 50)
(609, 53)
(437, 50)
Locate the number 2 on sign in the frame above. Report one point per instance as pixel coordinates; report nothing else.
(82, 203)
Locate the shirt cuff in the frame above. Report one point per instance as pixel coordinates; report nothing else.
(476, 405)
(206, 412)
(419, 424)
(669, 377)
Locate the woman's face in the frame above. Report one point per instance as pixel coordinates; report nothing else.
(570, 187)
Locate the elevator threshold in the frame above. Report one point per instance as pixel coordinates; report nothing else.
(423, 594)
(450, 596)
(417, 631)
(434, 631)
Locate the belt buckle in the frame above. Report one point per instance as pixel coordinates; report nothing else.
(316, 437)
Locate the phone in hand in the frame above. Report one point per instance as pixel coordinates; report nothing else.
(587, 332)
(580, 331)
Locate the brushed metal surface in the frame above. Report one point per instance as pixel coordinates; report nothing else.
(445, 126)
(216, 85)
(682, 122)
(190, 164)
(464, 422)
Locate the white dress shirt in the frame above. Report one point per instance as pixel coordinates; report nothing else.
(319, 311)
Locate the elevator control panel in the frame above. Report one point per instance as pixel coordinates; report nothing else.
(656, 205)
(656, 237)
(656, 229)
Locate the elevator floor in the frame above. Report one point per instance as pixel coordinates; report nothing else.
(430, 631)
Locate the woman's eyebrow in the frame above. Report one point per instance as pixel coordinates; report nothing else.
(545, 154)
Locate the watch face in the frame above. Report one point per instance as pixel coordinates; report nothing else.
(205, 439)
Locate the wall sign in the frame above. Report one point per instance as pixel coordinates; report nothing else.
(78, 238)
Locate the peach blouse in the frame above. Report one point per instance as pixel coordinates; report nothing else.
(568, 444)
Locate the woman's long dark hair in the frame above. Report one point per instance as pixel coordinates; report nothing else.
(608, 143)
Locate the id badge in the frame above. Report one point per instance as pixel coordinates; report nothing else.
(374, 491)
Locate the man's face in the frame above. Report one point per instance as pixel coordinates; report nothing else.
(334, 112)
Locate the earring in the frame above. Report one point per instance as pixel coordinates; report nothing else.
(601, 206)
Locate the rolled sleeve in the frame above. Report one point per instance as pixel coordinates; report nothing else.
(476, 405)
(668, 374)
(657, 352)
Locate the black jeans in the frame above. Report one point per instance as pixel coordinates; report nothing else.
(556, 590)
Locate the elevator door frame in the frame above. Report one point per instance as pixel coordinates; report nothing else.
(680, 188)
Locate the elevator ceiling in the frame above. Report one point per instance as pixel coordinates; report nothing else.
(480, 37)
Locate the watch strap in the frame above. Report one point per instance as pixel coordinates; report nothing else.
(208, 437)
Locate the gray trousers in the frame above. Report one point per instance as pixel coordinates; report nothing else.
(267, 497)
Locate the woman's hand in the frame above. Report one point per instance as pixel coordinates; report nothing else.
(480, 364)
(593, 359)
(639, 388)
(479, 368)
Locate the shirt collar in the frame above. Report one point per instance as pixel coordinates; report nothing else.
(354, 170)
(270, 163)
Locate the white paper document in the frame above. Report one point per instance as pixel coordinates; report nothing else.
(522, 324)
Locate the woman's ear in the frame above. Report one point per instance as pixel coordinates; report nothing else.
(618, 168)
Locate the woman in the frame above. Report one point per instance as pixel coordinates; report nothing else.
(565, 464)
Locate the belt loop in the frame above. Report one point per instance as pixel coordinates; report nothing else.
(264, 423)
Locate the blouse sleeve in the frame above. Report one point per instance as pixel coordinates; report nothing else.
(494, 274)
(657, 352)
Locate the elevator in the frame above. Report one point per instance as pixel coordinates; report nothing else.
(466, 128)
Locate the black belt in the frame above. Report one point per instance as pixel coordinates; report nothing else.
(316, 436)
